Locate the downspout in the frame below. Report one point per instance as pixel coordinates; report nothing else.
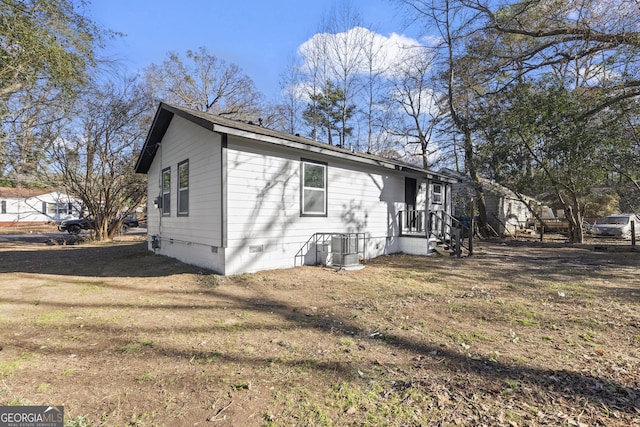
(157, 237)
(427, 213)
(223, 183)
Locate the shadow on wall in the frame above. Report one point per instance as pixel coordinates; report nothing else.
(273, 213)
(262, 221)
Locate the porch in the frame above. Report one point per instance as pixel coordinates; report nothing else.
(444, 233)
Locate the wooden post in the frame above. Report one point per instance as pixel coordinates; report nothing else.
(471, 231)
(427, 230)
(633, 234)
(541, 232)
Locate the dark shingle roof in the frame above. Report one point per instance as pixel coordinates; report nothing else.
(215, 123)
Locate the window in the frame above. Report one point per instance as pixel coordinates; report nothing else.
(437, 193)
(166, 191)
(314, 189)
(61, 208)
(183, 188)
(3, 206)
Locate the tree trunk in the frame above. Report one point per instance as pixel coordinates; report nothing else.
(477, 185)
(574, 216)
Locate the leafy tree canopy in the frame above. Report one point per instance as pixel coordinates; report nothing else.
(45, 40)
(326, 112)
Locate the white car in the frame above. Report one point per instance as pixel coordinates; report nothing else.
(617, 226)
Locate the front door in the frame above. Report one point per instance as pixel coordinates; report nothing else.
(410, 193)
(410, 197)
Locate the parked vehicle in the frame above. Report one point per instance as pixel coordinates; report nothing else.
(76, 225)
(617, 226)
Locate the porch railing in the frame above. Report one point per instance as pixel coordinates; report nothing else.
(448, 229)
(413, 222)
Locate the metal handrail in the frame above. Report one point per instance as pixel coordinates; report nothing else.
(439, 225)
(453, 231)
(320, 239)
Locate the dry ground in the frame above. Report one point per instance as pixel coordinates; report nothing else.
(521, 334)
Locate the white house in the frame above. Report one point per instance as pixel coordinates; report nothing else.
(507, 211)
(22, 206)
(235, 197)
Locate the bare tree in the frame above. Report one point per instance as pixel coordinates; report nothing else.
(559, 33)
(35, 118)
(413, 91)
(337, 54)
(314, 74)
(95, 158)
(373, 88)
(292, 95)
(346, 53)
(206, 83)
(454, 27)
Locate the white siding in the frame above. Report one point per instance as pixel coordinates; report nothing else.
(30, 209)
(416, 246)
(190, 238)
(265, 228)
(261, 226)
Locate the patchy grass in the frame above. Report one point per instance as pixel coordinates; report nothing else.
(516, 335)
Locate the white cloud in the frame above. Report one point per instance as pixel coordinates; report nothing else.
(355, 48)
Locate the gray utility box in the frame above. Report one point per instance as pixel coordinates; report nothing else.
(344, 250)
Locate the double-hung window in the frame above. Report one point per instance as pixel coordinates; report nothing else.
(166, 191)
(437, 193)
(183, 188)
(313, 198)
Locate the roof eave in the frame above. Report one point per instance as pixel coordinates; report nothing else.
(165, 114)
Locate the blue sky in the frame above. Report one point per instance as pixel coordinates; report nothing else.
(259, 36)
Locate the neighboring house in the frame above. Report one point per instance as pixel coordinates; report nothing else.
(234, 197)
(507, 212)
(22, 206)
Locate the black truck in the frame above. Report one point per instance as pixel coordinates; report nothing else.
(76, 225)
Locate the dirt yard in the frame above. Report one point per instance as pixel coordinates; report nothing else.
(521, 334)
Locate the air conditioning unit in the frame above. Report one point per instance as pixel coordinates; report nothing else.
(344, 250)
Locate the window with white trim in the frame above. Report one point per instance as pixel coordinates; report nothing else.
(437, 194)
(183, 188)
(166, 191)
(313, 197)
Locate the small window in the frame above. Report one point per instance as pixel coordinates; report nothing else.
(314, 189)
(44, 208)
(3, 206)
(183, 188)
(166, 191)
(437, 194)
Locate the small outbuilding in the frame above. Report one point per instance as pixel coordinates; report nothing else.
(237, 197)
